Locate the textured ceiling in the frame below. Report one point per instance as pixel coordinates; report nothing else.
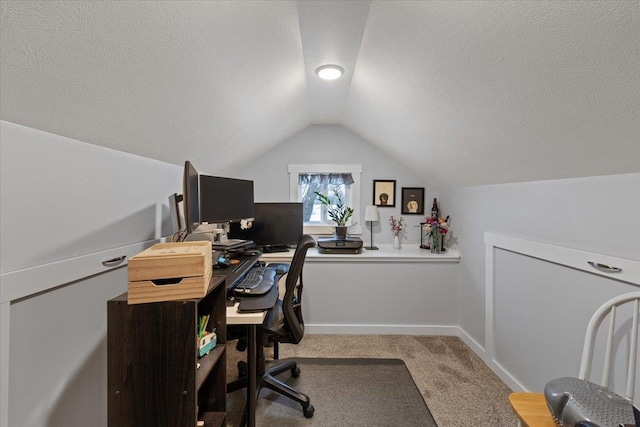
(463, 93)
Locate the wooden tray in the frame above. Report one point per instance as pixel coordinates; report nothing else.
(170, 271)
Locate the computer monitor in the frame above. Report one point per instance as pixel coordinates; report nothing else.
(275, 224)
(191, 197)
(210, 200)
(225, 199)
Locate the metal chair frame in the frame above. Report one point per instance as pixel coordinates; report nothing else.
(609, 308)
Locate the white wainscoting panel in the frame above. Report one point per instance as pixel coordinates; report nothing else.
(539, 298)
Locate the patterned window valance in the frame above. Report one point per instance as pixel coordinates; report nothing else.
(325, 178)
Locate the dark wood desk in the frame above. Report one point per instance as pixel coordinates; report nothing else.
(154, 375)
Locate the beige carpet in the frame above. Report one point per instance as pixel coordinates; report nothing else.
(458, 387)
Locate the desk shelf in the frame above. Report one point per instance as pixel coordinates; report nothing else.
(207, 363)
(152, 352)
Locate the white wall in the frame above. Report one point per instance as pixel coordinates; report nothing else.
(595, 214)
(62, 199)
(335, 144)
(354, 297)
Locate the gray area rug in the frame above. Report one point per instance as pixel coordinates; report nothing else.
(344, 392)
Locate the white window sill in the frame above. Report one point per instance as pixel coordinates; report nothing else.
(385, 253)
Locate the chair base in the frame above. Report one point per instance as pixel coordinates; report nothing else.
(269, 381)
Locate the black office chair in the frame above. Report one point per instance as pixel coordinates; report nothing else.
(284, 324)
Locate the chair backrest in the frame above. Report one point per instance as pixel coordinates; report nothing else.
(292, 300)
(610, 308)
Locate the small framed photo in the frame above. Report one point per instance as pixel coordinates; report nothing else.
(412, 201)
(384, 193)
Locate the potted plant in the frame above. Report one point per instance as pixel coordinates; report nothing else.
(339, 213)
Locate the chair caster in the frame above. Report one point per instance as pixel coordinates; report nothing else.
(242, 369)
(295, 373)
(241, 345)
(308, 411)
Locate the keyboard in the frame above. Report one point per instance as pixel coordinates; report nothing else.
(257, 281)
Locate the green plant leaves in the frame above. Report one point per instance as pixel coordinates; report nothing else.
(339, 213)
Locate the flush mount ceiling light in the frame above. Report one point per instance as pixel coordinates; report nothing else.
(329, 72)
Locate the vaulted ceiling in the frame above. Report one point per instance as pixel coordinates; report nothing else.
(461, 92)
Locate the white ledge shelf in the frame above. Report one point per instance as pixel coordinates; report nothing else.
(385, 253)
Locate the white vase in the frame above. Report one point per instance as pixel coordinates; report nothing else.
(396, 242)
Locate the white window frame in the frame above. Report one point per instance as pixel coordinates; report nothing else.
(353, 169)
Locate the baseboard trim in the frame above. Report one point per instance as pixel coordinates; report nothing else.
(473, 344)
(497, 369)
(381, 329)
(476, 347)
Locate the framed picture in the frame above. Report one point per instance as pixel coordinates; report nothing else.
(412, 201)
(384, 193)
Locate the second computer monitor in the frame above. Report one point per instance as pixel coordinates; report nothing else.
(225, 199)
(275, 224)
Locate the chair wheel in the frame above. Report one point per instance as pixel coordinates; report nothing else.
(308, 411)
(295, 372)
(242, 369)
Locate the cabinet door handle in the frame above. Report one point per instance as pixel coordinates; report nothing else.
(603, 267)
(114, 261)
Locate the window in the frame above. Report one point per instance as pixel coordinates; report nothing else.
(332, 180)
